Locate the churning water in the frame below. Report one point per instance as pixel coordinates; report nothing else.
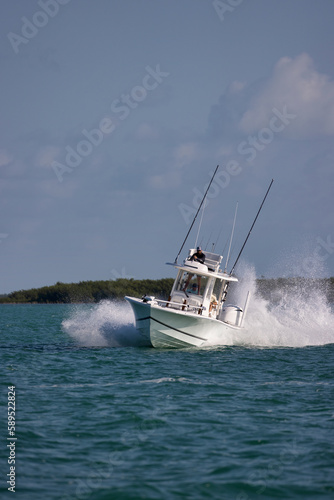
(295, 316)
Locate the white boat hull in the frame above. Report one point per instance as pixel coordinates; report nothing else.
(165, 327)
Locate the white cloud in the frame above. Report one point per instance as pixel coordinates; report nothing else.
(296, 84)
(145, 131)
(166, 181)
(236, 87)
(5, 158)
(46, 156)
(186, 153)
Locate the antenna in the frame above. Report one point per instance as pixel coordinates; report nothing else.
(224, 248)
(199, 208)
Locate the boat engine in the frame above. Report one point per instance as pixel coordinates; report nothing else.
(231, 315)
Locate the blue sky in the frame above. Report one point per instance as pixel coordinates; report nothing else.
(115, 113)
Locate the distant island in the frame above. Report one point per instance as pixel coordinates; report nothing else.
(90, 291)
(95, 291)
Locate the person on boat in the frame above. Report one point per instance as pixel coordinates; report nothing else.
(198, 256)
(213, 304)
(195, 288)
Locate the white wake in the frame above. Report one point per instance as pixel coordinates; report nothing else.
(108, 323)
(295, 316)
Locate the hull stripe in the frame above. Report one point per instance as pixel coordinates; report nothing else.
(172, 328)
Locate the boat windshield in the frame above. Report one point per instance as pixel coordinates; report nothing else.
(191, 283)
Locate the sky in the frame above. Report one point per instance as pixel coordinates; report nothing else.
(115, 113)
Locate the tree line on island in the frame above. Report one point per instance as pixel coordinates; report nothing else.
(90, 291)
(95, 291)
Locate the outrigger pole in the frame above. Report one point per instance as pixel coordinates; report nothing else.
(229, 248)
(243, 246)
(199, 208)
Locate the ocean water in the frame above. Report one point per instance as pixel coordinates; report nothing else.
(100, 417)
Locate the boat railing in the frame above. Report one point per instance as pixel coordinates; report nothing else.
(179, 305)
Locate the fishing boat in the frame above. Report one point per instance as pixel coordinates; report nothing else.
(197, 312)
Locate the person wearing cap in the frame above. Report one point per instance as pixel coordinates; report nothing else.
(199, 256)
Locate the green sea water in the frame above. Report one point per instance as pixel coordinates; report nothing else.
(99, 417)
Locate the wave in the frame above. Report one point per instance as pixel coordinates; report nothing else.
(293, 316)
(106, 324)
(297, 315)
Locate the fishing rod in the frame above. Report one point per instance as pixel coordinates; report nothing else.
(206, 246)
(243, 246)
(214, 246)
(229, 248)
(200, 224)
(218, 237)
(199, 208)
